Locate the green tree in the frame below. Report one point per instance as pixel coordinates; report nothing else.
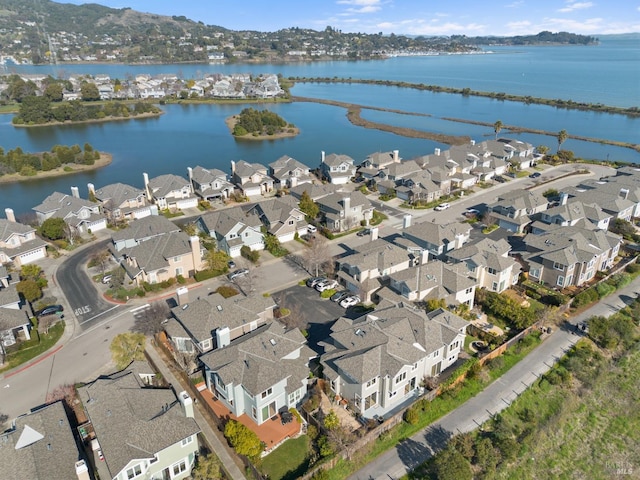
(450, 464)
(542, 149)
(127, 347)
(89, 92)
(497, 127)
(207, 468)
(243, 440)
(54, 92)
(29, 289)
(35, 110)
(562, 137)
(53, 228)
(30, 272)
(331, 420)
(308, 206)
(216, 260)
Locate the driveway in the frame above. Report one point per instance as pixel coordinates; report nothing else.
(310, 312)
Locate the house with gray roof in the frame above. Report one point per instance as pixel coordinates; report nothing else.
(438, 239)
(142, 230)
(516, 209)
(142, 431)
(81, 215)
(364, 271)
(162, 258)
(488, 263)
(260, 374)
(14, 319)
(570, 212)
(170, 192)
(619, 200)
(214, 321)
(435, 280)
(281, 217)
(41, 446)
(18, 242)
(314, 190)
(337, 168)
(251, 178)
(377, 361)
(120, 201)
(343, 211)
(565, 256)
(233, 228)
(210, 184)
(288, 172)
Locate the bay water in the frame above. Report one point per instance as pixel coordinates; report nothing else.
(197, 135)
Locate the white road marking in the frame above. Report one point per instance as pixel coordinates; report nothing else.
(100, 314)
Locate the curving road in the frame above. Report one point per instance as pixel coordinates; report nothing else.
(86, 302)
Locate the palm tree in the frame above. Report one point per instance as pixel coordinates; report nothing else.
(497, 127)
(562, 137)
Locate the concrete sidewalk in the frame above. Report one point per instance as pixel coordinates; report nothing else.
(213, 436)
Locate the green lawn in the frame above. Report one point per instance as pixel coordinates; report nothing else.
(30, 349)
(289, 461)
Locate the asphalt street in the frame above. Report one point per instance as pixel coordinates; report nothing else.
(410, 453)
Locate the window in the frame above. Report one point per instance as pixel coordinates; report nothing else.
(468, 290)
(176, 259)
(414, 366)
(558, 266)
(560, 281)
(494, 286)
(186, 441)
(291, 222)
(371, 382)
(295, 397)
(266, 393)
(254, 413)
(492, 271)
(401, 377)
(535, 272)
(134, 471)
(179, 467)
(178, 271)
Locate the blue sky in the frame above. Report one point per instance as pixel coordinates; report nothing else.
(404, 17)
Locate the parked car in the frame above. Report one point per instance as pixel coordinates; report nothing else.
(107, 278)
(534, 175)
(311, 228)
(499, 179)
(442, 206)
(237, 273)
(326, 285)
(363, 232)
(350, 301)
(313, 281)
(339, 296)
(231, 264)
(471, 212)
(50, 310)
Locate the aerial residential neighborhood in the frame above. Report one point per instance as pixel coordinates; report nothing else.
(404, 292)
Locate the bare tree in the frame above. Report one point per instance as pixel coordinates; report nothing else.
(317, 256)
(3, 421)
(149, 321)
(46, 322)
(100, 259)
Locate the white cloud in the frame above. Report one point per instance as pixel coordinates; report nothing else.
(573, 6)
(516, 4)
(420, 27)
(360, 3)
(367, 9)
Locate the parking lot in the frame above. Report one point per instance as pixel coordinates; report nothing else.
(310, 312)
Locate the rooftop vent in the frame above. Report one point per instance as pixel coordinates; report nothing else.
(219, 307)
(272, 342)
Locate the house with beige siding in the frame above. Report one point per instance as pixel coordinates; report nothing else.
(18, 242)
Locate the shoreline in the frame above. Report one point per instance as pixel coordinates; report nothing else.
(104, 160)
(92, 120)
(233, 119)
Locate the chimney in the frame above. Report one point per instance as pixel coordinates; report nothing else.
(82, 471)
(322, 156)
(374, 233)
(91, 188)
(196, 253)
(233, 167)
(10, 215)
(190, 172)
(437, 151)
(75, 193)
(346, 201)
(406, 221)
(563, 198)
(223, 337)
(183, 296)
(187, 404)
(624, 192)
(396, 156)
(145, 176)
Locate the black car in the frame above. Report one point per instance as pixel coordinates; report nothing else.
(534, 175)
(50, 310)
(363, 232)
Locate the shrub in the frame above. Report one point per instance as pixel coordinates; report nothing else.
(632, 268)
(251, 255)
(604, 289)
(411, 415)
(227, 291)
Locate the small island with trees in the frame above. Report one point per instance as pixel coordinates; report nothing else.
(260, 125)
(16, 165)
